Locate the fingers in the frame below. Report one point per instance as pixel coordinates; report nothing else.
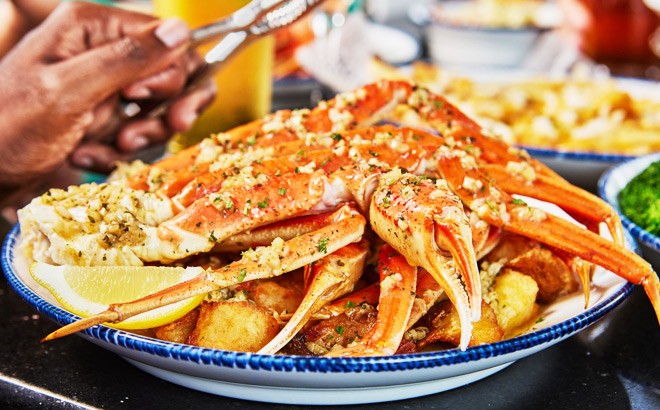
(140, 134)
(98, 73)
(137, 135)
(101, 157)
(185, 111)
(165, 83)
(97, 157)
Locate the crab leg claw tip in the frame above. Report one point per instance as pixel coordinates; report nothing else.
(103, 317)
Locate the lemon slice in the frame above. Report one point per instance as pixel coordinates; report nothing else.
(86, 290)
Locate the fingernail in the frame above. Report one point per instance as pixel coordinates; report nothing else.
(83, 161)
(189, 119)
(139, 142)
(139, 91)
(172, 32)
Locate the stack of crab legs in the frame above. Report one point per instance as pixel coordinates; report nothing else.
(439, 196)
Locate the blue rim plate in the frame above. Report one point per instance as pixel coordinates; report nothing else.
(609, 186)
(319, 380)
(576, 155)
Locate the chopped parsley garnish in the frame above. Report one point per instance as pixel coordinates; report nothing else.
(337, 137)
(339, 329)
(212, 238)
(322, 246)
(229, 204)
(349, 305)
(519, 201)
(263, 204)
(241, 275)
(282, 191)
(492, 206)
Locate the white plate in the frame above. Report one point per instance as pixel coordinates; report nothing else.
(320, 380)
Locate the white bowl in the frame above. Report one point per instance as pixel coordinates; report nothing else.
(464, 45)
(609, 186)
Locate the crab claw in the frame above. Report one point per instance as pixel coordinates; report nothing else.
(331, 277)
(397, 296)
(426, 223)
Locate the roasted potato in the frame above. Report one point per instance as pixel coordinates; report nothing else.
(241, 326)
(446, 327)
(179, 330)
(515, 300)
(551, 274)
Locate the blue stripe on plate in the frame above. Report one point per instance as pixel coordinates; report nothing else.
(282, 363)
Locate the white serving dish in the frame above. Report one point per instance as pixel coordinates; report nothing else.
(454, 45)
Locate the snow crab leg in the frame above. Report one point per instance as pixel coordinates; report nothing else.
(425, 222)
(398, 281)
(498, 208)
(331, 277)
(262, 263)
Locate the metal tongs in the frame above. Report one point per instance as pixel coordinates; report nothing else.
(253, 21)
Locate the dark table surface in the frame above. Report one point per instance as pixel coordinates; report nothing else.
(614, 364)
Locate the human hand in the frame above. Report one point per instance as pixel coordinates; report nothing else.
(62, 82)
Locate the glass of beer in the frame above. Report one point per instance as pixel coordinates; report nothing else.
(244, 85)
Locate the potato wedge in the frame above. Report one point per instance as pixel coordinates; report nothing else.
(549, 271)
(179, 330)
(446, 327)
(240, 326)
(516, 300)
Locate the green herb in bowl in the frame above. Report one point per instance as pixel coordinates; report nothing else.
(639, 200)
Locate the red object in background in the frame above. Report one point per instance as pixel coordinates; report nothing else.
(619, 31)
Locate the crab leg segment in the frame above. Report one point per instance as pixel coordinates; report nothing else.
(559, 233)
(220, 215)
(425, 222)
(266, 262)
(398, 282)
(301, 160)
(331, 277)
(580, 204)
(498, 208)
(265, 235)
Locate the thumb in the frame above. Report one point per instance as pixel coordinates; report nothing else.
(98, 73)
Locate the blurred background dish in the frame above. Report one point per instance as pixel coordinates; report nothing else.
(610, 186)
(614, 33)
(484, 32)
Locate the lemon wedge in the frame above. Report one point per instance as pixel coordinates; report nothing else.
(86, 290)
